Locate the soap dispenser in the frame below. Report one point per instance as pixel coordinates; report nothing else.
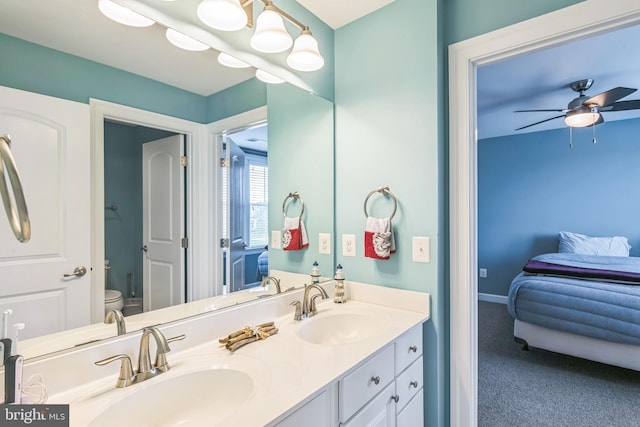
(339, 297)
(315, 273)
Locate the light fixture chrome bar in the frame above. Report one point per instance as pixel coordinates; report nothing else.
(285, 15)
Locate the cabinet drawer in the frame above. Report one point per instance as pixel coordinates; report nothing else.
(408, 348)
(359, 386)
(409, 383)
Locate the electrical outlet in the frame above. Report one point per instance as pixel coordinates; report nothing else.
(348, 245)
(276, 239)
(483, 273)
(324, 243)
(421, 251)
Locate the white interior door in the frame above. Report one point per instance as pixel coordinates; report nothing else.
(237, 216)
(163, 223)
(51, 149)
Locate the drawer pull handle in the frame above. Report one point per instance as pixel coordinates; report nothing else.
(413, 384)
(413, 348)
(375, 380)
(395, 398)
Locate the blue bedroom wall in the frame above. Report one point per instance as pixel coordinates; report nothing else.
(532, 186)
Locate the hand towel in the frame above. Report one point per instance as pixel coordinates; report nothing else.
(294, 234)
(379, 242)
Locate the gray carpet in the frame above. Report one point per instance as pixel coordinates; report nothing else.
(542, 388)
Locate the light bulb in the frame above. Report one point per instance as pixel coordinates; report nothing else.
(305, 55)
(183, 41)
(270, 35)
(581, 118)
(224, 15)
(123, 15)
(268, 77)
(231, 62)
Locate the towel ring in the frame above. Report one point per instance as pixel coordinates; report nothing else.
(294, 195)
(17, 215)
(383, 191)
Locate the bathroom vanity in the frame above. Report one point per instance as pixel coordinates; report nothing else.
(351, 364)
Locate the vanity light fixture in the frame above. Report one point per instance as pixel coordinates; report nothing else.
(268, 77)
(582, 117)
(184, 42)
(224, 15)
(231, 62)
(305, 55)
(270, 35)
(123, 15)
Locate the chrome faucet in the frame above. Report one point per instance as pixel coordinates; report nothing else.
(309, 306)
(145, 370)
(273, 280)
(115, 315)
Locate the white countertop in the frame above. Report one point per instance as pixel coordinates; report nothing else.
(285, 369)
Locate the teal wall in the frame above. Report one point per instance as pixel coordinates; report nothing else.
(585, 189)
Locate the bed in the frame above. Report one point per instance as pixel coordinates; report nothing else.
(586, 306)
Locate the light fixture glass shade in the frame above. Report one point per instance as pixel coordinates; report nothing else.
(580, 118)
(305, 55)
(183, 41)
(123, 15)
(231, 62)
(270, 35)
(224, 15)
(268, 77)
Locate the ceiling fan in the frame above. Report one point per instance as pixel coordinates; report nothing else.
(586, 111)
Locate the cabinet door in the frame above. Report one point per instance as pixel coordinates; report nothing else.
(316, 413)
(413, 414)
(379, 412)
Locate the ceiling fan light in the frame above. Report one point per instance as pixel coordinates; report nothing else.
(231, 62)
(268, 77)
(270, 35)
(183, 41)
(123, 15)
(580, 119)
(223, 15)
(305, 55)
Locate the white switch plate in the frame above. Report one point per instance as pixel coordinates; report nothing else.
(324, 243)
(276, 239)
(348, 245)
(483, 273)
(421, 251)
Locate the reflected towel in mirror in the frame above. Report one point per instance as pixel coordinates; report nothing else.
(294, 234)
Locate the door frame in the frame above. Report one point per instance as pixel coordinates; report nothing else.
(215, 132)
(571, 23)
(198, 276)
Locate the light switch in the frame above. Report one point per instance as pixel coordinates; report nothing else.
(324, 243)
(276, 239)
(348, 245)
(421, 251)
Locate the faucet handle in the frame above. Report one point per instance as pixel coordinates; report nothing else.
(313, 310)
(298, 313)
(161, 363)
(126, 376)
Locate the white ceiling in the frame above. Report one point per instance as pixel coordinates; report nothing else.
(337, 13)
(540, 80)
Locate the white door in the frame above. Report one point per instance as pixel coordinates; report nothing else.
(237, 216)
(163, 223)
(51, 149)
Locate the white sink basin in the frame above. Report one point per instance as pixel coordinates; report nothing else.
(341, 328)
(192, 399)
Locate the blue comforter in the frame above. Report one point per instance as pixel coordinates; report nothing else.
(599, 309)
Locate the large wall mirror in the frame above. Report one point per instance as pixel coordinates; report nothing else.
(284, 133)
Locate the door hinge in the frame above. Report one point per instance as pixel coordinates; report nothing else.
(184, 161)
(224, 243)
(224, 162)
(184, 242)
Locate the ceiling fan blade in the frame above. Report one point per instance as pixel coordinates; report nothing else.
(624, 105)
(533, 111)
(609, 97)
(542, 121)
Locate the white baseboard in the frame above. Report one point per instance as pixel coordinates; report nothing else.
(500, 299)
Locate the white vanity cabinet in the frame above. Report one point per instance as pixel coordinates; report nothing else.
(386, 390)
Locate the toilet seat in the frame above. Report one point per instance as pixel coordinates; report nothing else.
(112, 299)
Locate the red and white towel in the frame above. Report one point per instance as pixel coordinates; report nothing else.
(379, 242)
(294, 234)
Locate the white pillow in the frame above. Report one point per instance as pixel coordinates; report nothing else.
(584, 245)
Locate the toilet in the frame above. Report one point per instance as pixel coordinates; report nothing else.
(112, 298)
